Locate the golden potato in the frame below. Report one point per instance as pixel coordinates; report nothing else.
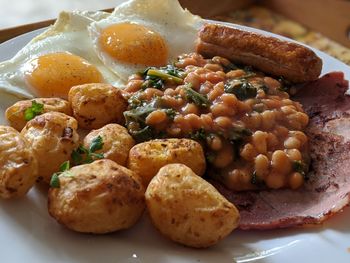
(147, 158)
(15, 113)
(99, 197)
(97, 104)
(117, 142)
(19, 168)
(187, 209)
(53, 136)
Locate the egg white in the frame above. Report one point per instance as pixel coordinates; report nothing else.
(177, 26)
(68, 34)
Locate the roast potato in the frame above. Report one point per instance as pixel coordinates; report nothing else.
(19, 168)
(117, 142)
(53, 136)
(99, 197)
(188, 209)
(15, 114)
(97, 104)
(147, 158)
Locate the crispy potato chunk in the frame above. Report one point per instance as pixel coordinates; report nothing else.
(147, 158)
(97, 104)
(15, 113)
(19, 168)
(53, 136)
(117, 142)
(100, 197)
(187, 209)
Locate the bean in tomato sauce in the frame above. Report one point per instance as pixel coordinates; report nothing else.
(250, 128)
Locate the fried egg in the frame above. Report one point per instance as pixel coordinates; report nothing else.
(53, 62)
(142, 33)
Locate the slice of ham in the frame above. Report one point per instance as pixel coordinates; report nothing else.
(328, 189)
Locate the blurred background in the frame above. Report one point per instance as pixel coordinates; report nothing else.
(324, 24)
(20, 12)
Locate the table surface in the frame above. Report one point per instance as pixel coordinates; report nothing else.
(29, 11)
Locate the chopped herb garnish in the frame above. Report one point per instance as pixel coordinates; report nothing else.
(241, 88)
(236, 137)
(83, 155)
(174, 71)
(65, 166)
(96, 144)
(34, 110)
(139, 116)
(144, 134)
(135, 101)
(55, 180)
(153, 82)
(300, 167)
(199, 135)
(164, 76)
(196, 98)
(156, 77)
(170, 113)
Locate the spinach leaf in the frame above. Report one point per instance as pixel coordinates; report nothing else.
(196, 98)
(142, 135)
(241, 88)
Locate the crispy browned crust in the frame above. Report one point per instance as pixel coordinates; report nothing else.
(268, 54)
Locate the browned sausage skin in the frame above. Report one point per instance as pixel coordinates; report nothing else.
(268, 54)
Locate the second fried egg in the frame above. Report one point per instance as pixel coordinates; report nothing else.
(142, 33)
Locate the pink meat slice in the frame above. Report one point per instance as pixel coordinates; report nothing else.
(328, 189)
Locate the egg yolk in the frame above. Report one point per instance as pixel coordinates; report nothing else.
(53, 75)
(135, 44)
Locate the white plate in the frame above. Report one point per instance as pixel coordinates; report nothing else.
(28, 234)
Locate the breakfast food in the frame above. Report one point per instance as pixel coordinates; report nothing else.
(327, 189)
(187, 209)
(251, 130)
(117, 142)
(157, 38)
(276, 57)
(193, 113)
(56, 60)
(100, 197)
(97, 104)
(52, 136)
(145, 159)
(18, 114)
(19, 168)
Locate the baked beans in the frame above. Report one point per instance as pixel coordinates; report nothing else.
(252, 131)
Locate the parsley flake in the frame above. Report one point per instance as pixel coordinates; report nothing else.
(34, 110)
(83, 155)
(96, 144)
(55, 180)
